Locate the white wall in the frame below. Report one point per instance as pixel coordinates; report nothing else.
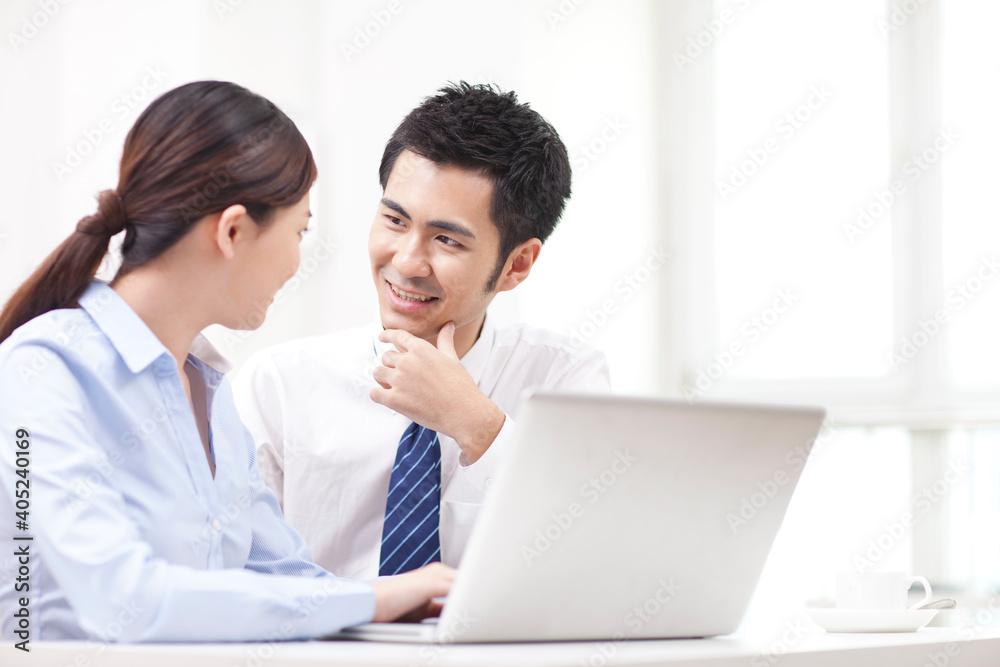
(589, 72)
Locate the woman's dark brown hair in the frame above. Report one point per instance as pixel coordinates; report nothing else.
(194, 151)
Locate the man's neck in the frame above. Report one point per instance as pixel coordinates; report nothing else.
(467, 335)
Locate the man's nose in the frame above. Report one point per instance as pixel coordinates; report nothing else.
(410, 259)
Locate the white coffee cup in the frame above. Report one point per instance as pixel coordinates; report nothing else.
(877, 590)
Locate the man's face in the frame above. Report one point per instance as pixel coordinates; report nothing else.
(433, 247)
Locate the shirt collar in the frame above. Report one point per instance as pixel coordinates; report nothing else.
(474, 360)
(477, 356)
(137, 345)
(207, 353)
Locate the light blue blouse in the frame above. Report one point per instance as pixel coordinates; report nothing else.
(132, 538)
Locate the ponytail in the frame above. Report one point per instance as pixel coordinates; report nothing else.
(66, 273)
(194, 151)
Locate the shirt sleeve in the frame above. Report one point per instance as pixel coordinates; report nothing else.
(465, 495)
(589, 374)
(259, 401)
(118, 587)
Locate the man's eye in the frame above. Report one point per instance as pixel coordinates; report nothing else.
(304, 231)
(449, 241)
(394, 220)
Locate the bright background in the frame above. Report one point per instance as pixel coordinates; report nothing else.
(745, 138)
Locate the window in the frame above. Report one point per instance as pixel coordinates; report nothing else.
(849, 261)
(801, 143)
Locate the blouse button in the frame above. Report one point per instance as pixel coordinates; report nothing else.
(216, 524)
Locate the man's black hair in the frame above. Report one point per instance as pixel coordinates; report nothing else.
(481, 128)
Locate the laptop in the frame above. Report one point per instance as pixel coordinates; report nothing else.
(622, 518)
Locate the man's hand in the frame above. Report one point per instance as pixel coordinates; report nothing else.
(430, 386)
(410, 596)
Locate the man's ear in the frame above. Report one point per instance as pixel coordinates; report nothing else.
(232, 227)
(519, 264)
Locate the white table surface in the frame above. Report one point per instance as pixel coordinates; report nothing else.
(943, 647)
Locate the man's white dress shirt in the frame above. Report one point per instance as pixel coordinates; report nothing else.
(327, 449)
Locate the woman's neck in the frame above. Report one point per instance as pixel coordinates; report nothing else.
(169, 310)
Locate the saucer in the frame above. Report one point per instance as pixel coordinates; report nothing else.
(863, 620)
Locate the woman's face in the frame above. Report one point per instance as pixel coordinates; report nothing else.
(267, 262)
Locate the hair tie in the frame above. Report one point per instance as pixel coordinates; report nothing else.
(110, 218)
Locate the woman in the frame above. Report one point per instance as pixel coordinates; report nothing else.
(144, 513)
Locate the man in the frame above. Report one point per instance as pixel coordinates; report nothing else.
(381, 442)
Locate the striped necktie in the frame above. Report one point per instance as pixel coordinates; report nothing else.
(410, 532)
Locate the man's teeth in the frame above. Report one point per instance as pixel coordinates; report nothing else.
(406, 296)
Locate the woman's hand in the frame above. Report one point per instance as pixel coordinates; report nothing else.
(409, 596)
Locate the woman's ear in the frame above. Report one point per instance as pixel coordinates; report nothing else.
(231, 228)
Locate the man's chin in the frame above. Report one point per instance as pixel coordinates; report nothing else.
(394, 320)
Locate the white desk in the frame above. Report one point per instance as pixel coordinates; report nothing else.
(935, 647)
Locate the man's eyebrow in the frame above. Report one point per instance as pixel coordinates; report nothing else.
(395, 207)
(452, 227)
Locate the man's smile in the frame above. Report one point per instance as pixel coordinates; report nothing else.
(407, 301)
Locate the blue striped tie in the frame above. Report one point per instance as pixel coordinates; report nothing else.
(410, 532)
